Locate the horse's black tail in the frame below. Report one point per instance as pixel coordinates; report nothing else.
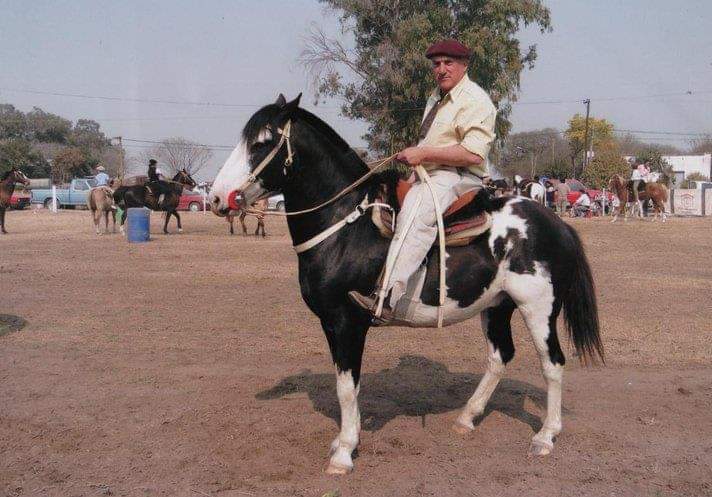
(580, 309)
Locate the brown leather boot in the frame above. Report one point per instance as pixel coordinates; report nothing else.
(370, 304)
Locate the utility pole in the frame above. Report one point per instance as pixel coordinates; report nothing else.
(585, 147)
(122, 165)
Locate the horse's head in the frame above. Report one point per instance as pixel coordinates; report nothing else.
(185, 179)
(261, 162)
(14, 175)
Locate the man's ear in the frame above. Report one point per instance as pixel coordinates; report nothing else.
(281, 101)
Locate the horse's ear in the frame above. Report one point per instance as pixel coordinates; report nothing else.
(281, 101)
(293, 105)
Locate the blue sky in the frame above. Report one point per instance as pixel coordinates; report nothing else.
(244, 53)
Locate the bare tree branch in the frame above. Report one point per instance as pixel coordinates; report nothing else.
(322, 53)
(174, 154)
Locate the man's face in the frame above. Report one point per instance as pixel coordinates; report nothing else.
(448, 71)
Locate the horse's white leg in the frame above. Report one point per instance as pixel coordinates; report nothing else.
(346, 442)
(500, 350)
(535, 299)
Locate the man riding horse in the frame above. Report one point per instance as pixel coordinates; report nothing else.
(156, 185)
(454, 141)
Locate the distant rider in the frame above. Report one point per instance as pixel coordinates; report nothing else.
(156, 182)
(101, 178)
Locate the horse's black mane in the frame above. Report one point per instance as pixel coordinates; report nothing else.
(267, 114)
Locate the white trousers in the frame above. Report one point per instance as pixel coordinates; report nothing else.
(420, 234)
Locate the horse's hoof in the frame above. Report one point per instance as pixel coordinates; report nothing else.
(180, 230)
(540, 448)
(461, 428)
(335, 469)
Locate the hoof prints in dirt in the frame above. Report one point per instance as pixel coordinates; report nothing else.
(10, 323)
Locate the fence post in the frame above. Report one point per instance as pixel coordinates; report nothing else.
(54, 199)
(205, 202)
(604, 201)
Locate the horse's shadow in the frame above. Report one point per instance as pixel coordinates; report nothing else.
(417, 386)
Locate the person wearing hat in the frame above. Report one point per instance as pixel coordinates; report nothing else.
(154, 174)
(454, 140)
(155, 184)
(101, 178)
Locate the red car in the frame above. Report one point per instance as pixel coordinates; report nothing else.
(190, 201)
(19, 200)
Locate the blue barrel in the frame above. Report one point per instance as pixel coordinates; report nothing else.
(138, 220)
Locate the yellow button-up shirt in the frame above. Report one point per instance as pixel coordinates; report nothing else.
(466, 117)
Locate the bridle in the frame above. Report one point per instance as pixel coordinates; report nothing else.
(284, 138)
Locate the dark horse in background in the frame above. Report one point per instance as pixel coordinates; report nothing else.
(142, 196)
(7, 186)
(528, 260)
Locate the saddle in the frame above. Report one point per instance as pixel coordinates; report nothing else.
(463, 221)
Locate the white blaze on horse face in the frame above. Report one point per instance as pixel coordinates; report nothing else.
(231, 176)
(264, 136)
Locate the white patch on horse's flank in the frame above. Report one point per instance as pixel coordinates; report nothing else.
(234, 173)
(504, 220)
(348, 437)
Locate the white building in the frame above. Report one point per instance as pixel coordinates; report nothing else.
(684, 165)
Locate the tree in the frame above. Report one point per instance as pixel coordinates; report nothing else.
(687, 182)
(46, 127)
(385, 80)
(630, 145)
(174, 154)
(532, 152)
(87, 135)
(701, 145)
(12, 123)
(607, 162)
(599, 131)
(68, 163)
(20, 154)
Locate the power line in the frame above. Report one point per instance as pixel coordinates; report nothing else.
(180, 145)
(686, 93)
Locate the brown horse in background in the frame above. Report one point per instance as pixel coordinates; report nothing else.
(7, 186)
(101, 201)
(656, 192)
(257, 209)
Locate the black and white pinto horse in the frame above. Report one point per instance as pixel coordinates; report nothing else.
(530, 189)
(529, 260)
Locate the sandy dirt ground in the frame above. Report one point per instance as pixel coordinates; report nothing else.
(190, 366)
